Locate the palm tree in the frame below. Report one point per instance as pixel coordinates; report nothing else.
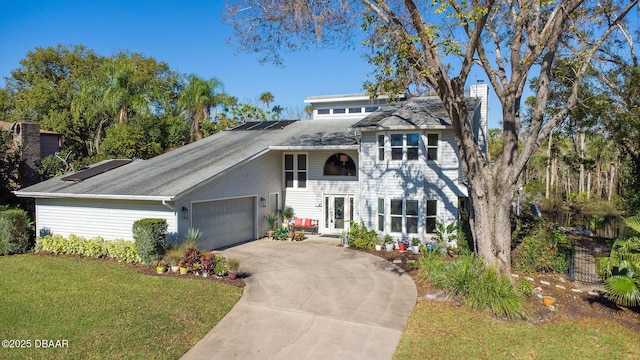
(197, 99)
(622, 268)
(277, 111)
(267, 97)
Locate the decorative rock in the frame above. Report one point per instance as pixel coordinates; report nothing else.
(576, 290)
(561, 287)
(538, 289)
(530, 279)
(539, 296)
(397, 261)
(594, 293)
(562, 280)
(515, 275)
(544, 282)
(551, 308)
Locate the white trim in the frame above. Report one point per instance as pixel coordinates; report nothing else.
(45, 195)
(314, 147)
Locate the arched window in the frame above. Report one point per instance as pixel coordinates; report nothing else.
(340, 165)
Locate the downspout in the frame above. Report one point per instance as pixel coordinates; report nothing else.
(164, 203)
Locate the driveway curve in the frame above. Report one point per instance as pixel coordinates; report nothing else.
(311, 300)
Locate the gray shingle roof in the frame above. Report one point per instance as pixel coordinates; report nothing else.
(171, 174)
(427, 112)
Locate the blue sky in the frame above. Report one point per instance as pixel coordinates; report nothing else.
(189, 36)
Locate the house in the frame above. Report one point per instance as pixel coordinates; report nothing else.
(393, 166)
(37, 144)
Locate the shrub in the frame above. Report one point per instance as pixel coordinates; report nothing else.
(121, 250)
(479, 286)
(543, 250)
(362, 238)
(14, 232)
(149, 236)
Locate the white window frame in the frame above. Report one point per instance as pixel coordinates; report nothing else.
(428, 216)
(296, 170)
(381, 147)
(403, 216)
(404, 147)
(381, 217)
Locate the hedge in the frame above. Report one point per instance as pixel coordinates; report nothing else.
(121, 250)
(14, 232)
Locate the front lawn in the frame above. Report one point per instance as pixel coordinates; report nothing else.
(445, 331)
(103, 309)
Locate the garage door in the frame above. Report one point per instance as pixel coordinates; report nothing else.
(224, 222)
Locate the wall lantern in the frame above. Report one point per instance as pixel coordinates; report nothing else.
(263, 202)
(344, 158)
(185, 212)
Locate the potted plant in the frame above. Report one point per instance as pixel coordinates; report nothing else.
(402, 245)
(160, 265)
(299, 236)
(195, 267)
(415, 245)
(281, 233)
(184, 268)
(233, 265)
(271, 223)
(388, 242)
(378, 243)
(286, 214)
(173, 257)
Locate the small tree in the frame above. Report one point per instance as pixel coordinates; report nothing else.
(14, 232)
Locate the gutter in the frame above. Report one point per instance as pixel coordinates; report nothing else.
(46, 195)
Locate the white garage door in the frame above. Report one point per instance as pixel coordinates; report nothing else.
(224, 222)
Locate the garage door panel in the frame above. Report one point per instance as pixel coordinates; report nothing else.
(225, 222)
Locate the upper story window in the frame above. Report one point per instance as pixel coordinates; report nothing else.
(355, 110)
(323, 111)
(339, 111)
(340, 164)
(432, 147)
(405, 146)
(380, 147)
(370, 109)
(295, 170)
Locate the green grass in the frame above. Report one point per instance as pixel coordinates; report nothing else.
(104, 309)
(445, 331)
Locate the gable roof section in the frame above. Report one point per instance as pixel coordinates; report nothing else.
(169, 175)
(426, 112)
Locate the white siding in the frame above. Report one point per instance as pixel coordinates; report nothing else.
(309, 202)
(258, 177)
(108, 219)
(413, 180)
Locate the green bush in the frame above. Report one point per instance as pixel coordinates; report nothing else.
(362, 238)
(121, 250)
(544, 249)
(14, 232)
(149, 236)
(479, 286)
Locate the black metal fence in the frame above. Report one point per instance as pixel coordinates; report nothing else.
(582, 268)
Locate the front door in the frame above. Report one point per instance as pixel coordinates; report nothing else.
(338, 211)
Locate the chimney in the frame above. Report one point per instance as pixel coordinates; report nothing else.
(480, 125)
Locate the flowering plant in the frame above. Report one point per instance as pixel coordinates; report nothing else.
(183, 264)
(158, 263)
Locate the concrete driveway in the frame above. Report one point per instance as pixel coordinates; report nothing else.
(311, 300)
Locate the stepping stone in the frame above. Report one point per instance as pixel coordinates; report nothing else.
(436, 295)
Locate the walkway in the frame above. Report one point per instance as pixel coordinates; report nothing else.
(311, 300)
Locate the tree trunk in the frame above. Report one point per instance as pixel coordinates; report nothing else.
(581, 189)
(612, 182)
(491, 225)
(547, 177)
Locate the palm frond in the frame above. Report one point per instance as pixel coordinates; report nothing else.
(633, 222)
(623, 290)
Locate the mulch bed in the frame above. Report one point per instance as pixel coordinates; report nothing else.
(568, 304)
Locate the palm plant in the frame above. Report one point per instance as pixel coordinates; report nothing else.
(267, 97)
(621, 269)
(197, 99)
